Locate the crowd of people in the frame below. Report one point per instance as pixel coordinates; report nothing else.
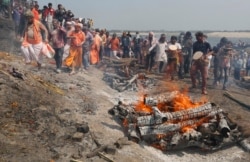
(77, 45)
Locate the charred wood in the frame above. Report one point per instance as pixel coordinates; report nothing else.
(165, 128)
(202, 111)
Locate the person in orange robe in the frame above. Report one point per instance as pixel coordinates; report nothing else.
(95, 49)
(35, 12)
(75, 52)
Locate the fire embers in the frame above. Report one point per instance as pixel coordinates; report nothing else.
(167, 125)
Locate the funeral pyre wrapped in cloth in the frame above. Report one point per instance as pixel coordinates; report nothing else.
(172, 120)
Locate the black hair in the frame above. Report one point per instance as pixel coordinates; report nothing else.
(173, 37)
(199, 34)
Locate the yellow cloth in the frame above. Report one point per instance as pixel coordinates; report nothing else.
(75, 57)
(94, 51)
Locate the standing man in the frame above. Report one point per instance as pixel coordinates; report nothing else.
(161, 56)
(49, 15)
(114, 46)
(225, 56)
(200, 64)
(151, 46)
(187, 51)
(217, 50)
(174, 58)
(125, 44)
(103, 42)
(57, 38)
(60, 14)
(137, 41)
(86, 47)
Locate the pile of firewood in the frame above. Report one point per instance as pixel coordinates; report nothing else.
(159, 123)
(132, 83)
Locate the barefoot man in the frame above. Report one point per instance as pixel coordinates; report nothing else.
(33, 43)
(75, 52)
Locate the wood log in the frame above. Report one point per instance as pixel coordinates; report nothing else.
(192, 134)
(165, 128)
(129, 82)
(157, 113)
(175, 139)
(218, 142)
(160, 98)
(122, 60)
(74, 160)
(242, 84)
(201, 111)
(223, 126)
(95, 152)
(191, 113)
(181, 144)
(229, 95)
(112, 75)
(207, 128)
(245, 144)
(104, 157)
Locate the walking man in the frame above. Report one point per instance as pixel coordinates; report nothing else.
(200, 64)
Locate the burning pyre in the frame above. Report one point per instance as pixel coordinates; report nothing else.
(172, 121)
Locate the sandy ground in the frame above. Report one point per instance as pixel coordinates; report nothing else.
(230, 34)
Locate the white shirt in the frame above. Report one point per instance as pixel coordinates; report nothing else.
(160, 52)
(178, 45)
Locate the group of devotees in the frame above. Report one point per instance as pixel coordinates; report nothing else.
(76, 46)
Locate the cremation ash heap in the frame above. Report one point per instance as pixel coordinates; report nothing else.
(172, 121)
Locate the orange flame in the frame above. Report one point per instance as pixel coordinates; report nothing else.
(182, 102)
(141, 107)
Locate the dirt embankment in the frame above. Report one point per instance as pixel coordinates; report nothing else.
(9, 42)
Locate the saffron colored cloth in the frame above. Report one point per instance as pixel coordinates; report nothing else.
(75, 51)
(36, 14)
(37, 35)
(94, 51)
(75, 57)
(78, 40)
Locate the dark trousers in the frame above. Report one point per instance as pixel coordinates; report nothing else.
(187, 54)
(181, 67)
(216, 73)
(58, 57)
(125, 52)
(224, 72)
(101, 52)
(237, 73)
(247, 70)
(186, 63)
(85, 59)
(150, 61)
(138, 55)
